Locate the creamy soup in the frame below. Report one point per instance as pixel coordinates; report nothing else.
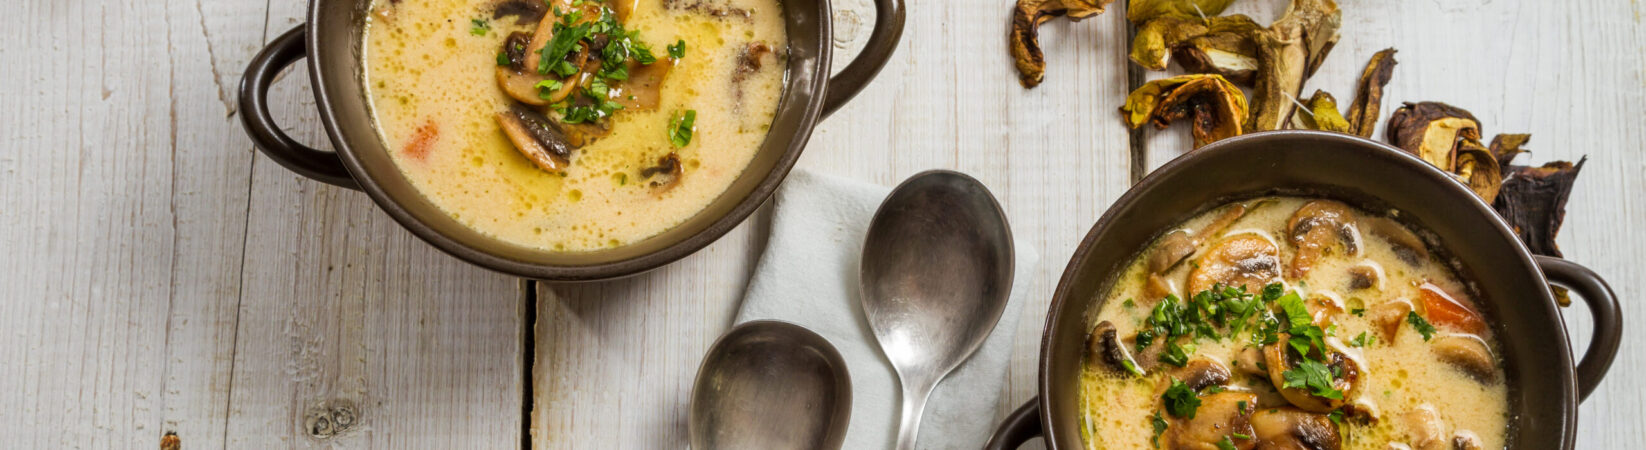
(574, 125)
(1291, 323)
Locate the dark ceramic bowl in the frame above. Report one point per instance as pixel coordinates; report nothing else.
(1544, 387)
(332, 40)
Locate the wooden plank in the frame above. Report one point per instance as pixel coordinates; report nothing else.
(123, 197)
(353, 332)
(948, 99)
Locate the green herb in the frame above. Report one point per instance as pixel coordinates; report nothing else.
(1336, 416)
(1421, 325)
(502, 58)
(1242, 405)
(547, 88)
(1362, 340)
(1131, 367)
(480, 27)
(1358, 312)
(681, 128)
(1181, 401)
(1159, 427)
(565, 39)
(1296, 313)
(1241, 436)
(678, 49)
(1315, 376)
(1129, 303)
(1226, 444)
(1177, 355)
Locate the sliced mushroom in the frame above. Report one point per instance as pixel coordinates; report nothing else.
(1027, 17)
(536, 138)
(643, 91)
(1467, 440)
(1250, 361)
(1431, 131)
(1407, 246)
(1218, 107)
(1321, 114)
(1323, 305)
(665, 175)
(1424, 428)
(1318, 22)
(1474, 166)
(1226, 49)
(1290, 428)
(1468, 353)
(1388, 316)
(1364, 110)
(1366, 275)
(1533, 201)
(1319, 229)
(1346, 367)
(1282, 60)
(1220, 416)
(1104, 346)
(1222, 222)
(1202, 373)
(1157, 287)
(514, 78)
(1172, 249)
(524, 11)
(1248, 260)
(1151, 48)
(1363, 410)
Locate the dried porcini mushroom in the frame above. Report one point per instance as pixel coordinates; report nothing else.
(1321, 115)
(1027, 17)
(1142, 11)
(1151, 48)
(1505, 147)
(1474, 166)
(1533, 202)
(1318, 22)
(1431, 130)
(1364, 109)
(1282, 59)
(1225, 49)
(1216, 106)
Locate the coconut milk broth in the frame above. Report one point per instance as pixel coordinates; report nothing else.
(434, 95)
(1399, 376)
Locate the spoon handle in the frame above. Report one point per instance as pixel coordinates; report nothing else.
(914, 406)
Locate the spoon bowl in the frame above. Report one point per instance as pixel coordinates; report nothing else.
(770, 384)
(936, 273)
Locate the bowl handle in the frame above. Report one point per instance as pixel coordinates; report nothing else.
(320, 165)
(888, 31)
(1019, 427)
(1602, 305)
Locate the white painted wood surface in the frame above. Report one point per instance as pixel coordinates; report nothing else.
(159, 275)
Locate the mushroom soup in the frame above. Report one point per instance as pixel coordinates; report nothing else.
(574, 125)
(1291, 323)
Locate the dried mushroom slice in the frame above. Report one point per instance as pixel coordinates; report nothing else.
(1282, 59)
(1027, 17)
(1226, 49)
(1474, 166)
(1431, 130)
(1318, 22)
(1368, 102)
(1141, 11)
(1505, 147)
(1151, 48)
(1216, 106)
(1321, 115)
(1533, 202)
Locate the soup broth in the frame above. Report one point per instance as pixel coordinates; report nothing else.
(1209, 339)
(434, 81)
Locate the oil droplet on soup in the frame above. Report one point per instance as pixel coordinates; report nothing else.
(1318, 325)
(431, 77)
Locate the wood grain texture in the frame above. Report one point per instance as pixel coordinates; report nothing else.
(353, 332)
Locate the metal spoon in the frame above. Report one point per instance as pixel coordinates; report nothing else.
(937, 268)
(770, 384)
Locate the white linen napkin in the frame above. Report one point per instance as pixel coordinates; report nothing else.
(809, 276)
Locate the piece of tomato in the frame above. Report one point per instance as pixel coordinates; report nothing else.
(1441, 308)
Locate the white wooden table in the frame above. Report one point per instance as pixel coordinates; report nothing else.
(158, 275)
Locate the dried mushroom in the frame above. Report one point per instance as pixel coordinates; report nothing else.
(1364, 109)
(1151, 48)
(1321, 114)
(1431, 130)
(1474, 166)
(1027, 17)
(1318, 22)
(1225, 49)
(1533, 202)
(1505, 147)
(1282, 59)
(1141, 11)
(1216, 106)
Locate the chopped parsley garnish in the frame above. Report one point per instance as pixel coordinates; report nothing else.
(1358, 312)
(1336, 416)
(1129, 304)
(1362, 340)
(1226, 444)
(480, 27)
(678, 50)
(1239, 435)
(1181, 401)
(1314, 376)
(1422, 326)
(681, 128)
(547, 88)
(1159, 427)
(1177, 355)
